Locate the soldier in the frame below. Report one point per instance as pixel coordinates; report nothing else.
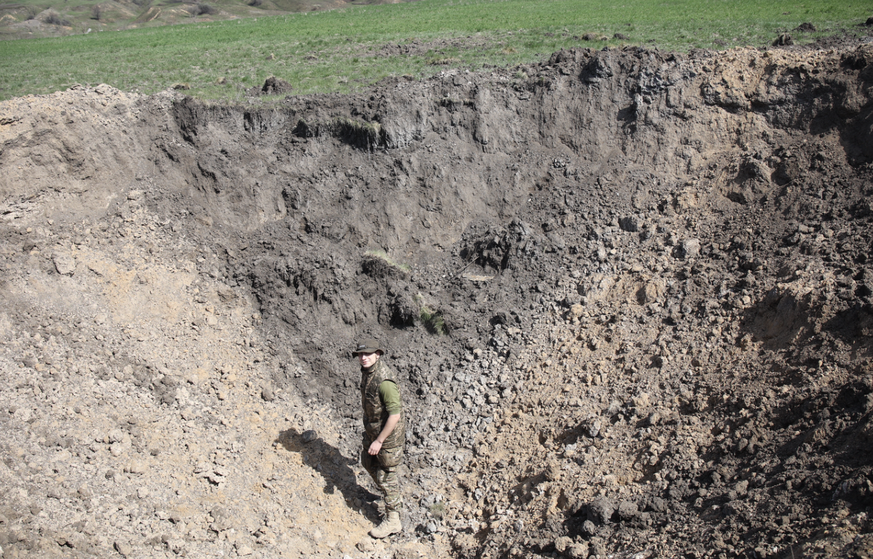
(384, 432)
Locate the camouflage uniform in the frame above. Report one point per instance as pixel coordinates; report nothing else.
(382, 467)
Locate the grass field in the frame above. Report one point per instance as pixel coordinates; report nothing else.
(348, 49)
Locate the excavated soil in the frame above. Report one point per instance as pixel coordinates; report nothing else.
(628, 293)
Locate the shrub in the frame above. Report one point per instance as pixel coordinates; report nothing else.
(202, 10)
(54, 18)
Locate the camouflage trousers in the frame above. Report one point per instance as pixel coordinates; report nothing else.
(385, 477)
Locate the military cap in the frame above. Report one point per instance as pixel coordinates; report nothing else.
(368, 346)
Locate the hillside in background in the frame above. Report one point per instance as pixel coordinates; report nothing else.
(22, 20)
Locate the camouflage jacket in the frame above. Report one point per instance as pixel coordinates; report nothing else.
(375, 414)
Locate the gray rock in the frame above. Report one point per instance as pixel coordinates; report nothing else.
(630, 224)
(65, 263)
(577, 551)
(688, 248)
(628, 510)
(124, 549)
(601, 510)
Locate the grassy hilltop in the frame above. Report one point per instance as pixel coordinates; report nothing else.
(226, 47)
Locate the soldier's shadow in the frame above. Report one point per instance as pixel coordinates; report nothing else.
(333, 467)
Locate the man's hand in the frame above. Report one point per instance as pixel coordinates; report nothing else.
(390, 424)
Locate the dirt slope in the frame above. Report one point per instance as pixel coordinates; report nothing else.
(628, 293)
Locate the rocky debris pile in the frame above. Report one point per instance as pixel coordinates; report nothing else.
(628, 293)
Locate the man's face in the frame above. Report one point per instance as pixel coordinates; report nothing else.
(368, 359)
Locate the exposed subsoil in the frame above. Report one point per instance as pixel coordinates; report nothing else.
(628, 293)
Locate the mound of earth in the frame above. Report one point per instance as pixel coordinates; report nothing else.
(628, 293)
(271, 86)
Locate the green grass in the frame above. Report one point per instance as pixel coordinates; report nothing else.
(348, 49)
(433, 321)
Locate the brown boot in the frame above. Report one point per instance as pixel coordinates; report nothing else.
(390, 525)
